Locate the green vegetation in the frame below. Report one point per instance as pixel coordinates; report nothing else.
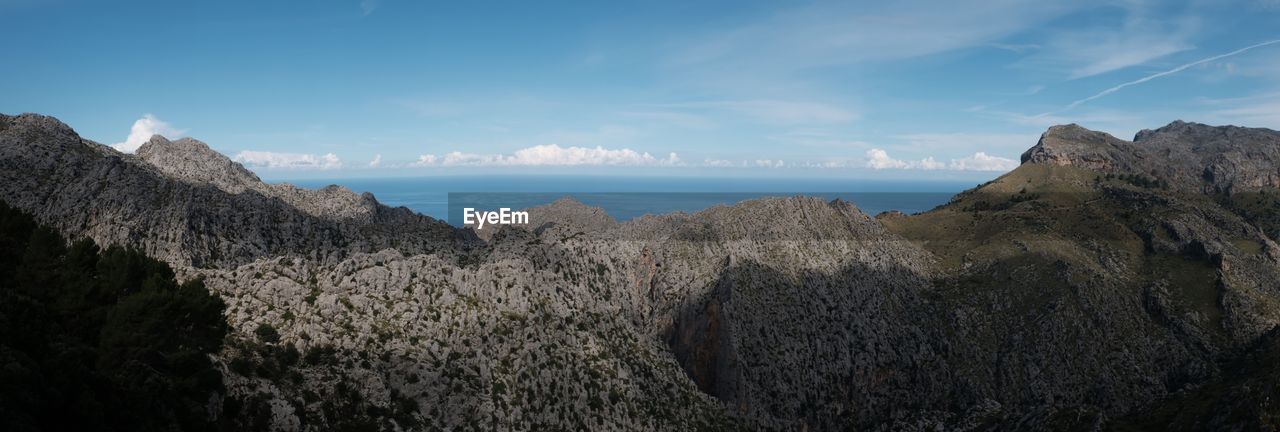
(1261, 208)
(1239, 399)
(1138, 180)
(96, 339)
(267, 333)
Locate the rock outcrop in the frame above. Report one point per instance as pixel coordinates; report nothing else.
(200, 209)
(194, 162)
(1194, 156)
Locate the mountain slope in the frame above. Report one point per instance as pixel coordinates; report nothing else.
(216, 214)
(1099, 277)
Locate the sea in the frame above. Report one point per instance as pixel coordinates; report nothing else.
(624, 198)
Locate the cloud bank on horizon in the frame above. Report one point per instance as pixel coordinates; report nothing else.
(291, 161)
(861, 88)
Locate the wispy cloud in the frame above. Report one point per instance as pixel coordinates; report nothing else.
(300, 161)
(845, 33)
(550, 155)
(965, 140)
(1261, 110)
(818, 138)
(782, 112)
(1116, 55)
(673, 118)
(368, 6)
(1158, 75)
(1015, 48)
(1136, 42)
(143, 129)
(376, 162)
(879, 159)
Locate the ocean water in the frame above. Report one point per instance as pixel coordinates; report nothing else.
(629, 197)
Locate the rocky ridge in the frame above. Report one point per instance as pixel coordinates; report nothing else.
(192, 161)
(1059, 296)
(214, 214)
(1224, 159)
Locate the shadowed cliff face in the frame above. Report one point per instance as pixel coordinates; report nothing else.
(703, 348)
(1101, 280)
(855, 347)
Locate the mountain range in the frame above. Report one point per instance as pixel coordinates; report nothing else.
(1104, 284)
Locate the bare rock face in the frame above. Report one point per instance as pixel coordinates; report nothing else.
(194, 162)
(1191, 156)
(185, 204)
(1077, 146)
(1226, 158)
(567, 214)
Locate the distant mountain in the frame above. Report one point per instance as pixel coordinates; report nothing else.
(1102, 284)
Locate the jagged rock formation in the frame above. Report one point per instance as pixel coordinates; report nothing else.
(212, 212)
(1223, 159)
(1102, 283)
(194, 162)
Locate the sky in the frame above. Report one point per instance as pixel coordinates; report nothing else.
(383, 88)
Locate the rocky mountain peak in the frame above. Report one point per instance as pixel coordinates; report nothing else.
(46, 125)
(191, 160)
(1074, 145)
(1176, 126)
(1186, 155)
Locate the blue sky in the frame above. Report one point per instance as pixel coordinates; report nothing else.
(912, 89)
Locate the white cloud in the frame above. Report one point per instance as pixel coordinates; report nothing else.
(551, 155)
(424, 160)
(376, 162)
(880, 159)
(368, 6)
(767, 163)
(263, 159)
(718, 163)
(142, 131)
(980, 161)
